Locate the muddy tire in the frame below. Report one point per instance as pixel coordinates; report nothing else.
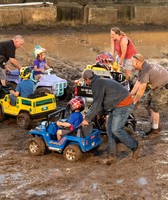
(12, 85)
(72, 153)
(36, 146)
(95, 149)
(42, 90)
(67, 94)
(23, 120)
(1, 114)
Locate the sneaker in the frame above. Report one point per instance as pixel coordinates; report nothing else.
(160, 128)
(98, 153)
(112, 153)
(135, 152)
(104, 148)
(153, 131)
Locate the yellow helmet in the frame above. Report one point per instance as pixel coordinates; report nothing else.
(25, 72)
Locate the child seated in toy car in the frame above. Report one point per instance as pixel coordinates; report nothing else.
(24, 88)
(75, 119)
(40, 63)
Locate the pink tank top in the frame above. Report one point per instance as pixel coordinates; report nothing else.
(130, 48)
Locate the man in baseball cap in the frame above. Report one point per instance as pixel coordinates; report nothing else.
(87, 74)
(112, 97)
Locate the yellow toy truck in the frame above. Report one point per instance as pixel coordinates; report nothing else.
(28, 109)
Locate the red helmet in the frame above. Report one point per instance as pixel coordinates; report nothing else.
(104, 58)
(76, 103)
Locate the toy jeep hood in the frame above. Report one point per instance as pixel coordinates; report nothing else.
(49, 80)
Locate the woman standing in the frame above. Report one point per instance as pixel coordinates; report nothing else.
(124, 48)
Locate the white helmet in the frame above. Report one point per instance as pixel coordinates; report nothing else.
(37, 52)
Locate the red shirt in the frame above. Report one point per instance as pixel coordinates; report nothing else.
(130, 48)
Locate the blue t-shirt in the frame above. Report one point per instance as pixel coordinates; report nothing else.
(75, 119)
(40, 65)
(25, 88)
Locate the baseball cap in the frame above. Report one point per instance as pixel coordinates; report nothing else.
(88, 73)
(138, 57)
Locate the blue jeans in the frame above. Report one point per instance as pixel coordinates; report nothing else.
(12, 100)
(115, 129)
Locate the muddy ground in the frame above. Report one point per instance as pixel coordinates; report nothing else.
(23, 176)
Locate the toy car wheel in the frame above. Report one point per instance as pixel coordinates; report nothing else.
(23, 120)
(42, 90)
(72, 153)
(1, 114)
(95, 148)
(36, 146)
(67, 94)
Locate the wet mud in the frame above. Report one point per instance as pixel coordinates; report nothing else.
(23, 176)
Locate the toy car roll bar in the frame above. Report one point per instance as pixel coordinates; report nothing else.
(58, 114)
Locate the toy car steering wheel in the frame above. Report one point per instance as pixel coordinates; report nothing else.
(48, 71)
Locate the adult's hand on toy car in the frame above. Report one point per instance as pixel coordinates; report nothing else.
(7, 68)
(85, 123)
(136, 105)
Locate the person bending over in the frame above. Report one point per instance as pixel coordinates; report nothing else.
(7, 49)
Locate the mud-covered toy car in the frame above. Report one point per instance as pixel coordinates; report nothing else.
(49, 83)
(28, 109)
(72, 145)
(102, 70)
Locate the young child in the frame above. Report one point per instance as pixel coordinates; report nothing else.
(75, 119)
(24, 88)
(40, 63)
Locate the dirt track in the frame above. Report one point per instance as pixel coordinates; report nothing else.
(50, 177)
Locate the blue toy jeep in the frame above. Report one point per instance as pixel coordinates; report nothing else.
(82, 139)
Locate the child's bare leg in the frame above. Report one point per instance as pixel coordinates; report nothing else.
(59, 134)
(38, 76)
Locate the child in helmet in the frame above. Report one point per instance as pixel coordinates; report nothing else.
(24, 88)
(40, 63)
(75, 119)
(105, 60)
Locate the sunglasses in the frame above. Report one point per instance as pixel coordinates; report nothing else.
(134, 56)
